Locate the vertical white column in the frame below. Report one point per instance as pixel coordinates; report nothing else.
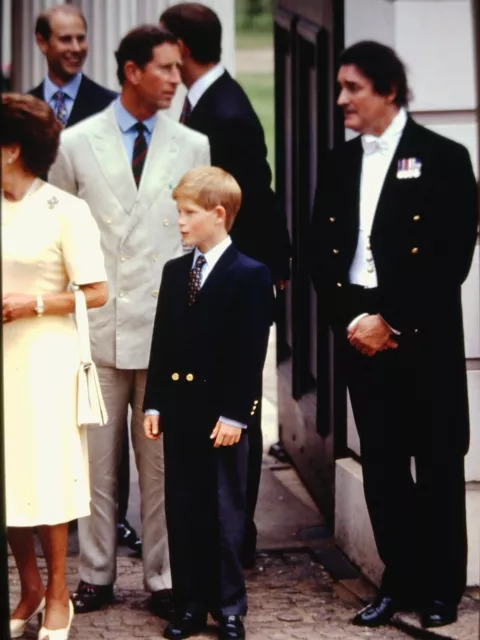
(28, 65)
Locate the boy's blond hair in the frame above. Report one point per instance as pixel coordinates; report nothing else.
(210, 187)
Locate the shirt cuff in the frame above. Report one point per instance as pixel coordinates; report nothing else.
(232, 423)
(354, 322)
(152, 412)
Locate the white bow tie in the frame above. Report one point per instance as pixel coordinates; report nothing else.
(371, 144)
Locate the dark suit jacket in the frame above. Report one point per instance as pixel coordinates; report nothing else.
(237, 144)
(221, 341)
(91, 99)
(422, 240)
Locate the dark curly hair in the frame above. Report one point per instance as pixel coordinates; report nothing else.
(30, 123)
(381, 65)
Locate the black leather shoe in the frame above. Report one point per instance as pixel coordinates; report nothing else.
(438, 614)
(231, 628)
(161, 604)
(91, 597)
(185, 625)
(379, 612)
(127, 537)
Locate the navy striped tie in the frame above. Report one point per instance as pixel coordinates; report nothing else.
(139, 152)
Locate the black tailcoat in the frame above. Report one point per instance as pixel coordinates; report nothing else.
(412, 400)
(237, 145)
(206, 361)
(91, 99)
(422, 240)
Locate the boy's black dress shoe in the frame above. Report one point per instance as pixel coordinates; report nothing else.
(127, 537)
(161, 604)
(185, 624)
(438, 614)
(91, 597)
(231, 628)
(379, 612)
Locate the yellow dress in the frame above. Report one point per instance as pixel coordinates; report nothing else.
(48, 239)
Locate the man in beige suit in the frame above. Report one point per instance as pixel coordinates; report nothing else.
(124, 162)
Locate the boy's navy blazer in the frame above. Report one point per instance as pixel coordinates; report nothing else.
(211, 354)
(91, 98)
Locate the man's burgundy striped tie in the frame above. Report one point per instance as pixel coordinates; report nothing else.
(139, 152)
(186, 111)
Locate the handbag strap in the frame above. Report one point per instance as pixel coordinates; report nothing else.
(81, 318)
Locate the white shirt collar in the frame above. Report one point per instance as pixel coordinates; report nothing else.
(200, 85)
(391, 134)
(214, 254)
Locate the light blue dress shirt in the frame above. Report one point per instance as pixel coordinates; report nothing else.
(127, 122)
(211, 259)
(70, 90)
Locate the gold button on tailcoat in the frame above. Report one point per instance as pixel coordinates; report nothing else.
(189, 377)
(175, 377)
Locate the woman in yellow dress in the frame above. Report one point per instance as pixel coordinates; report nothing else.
(49, 239)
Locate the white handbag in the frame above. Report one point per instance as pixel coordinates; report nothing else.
(90, 405)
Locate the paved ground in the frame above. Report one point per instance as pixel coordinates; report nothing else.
(254, 61)
(302, 589)
(291, 594)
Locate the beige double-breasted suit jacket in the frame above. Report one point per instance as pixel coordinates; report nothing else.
(138, 227)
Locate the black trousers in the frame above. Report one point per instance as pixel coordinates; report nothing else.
(419, 525)
(205, 505)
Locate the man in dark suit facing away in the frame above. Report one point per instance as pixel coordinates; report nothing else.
(217, 106)
(394, 231)
(61, 34)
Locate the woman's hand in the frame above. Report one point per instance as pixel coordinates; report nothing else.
(17, 306)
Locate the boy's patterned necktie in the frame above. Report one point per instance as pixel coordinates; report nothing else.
(60, 106)
(195, 279)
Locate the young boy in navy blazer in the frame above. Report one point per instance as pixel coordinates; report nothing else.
(208, 350)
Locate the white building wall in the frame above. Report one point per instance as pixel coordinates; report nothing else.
(435, 39)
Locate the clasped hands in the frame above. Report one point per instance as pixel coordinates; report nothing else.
(224, 435)
(371, 334)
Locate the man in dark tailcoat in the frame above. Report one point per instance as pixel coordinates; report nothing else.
(394, 230)
(217, 106)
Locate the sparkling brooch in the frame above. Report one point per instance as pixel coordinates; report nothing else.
(52, 203)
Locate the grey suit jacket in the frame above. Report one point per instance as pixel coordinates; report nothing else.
(138, 227)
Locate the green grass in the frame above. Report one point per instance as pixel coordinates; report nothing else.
(260, 89)
(253, 39)
(256, 32)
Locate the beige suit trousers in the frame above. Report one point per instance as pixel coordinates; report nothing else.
(98, 532)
